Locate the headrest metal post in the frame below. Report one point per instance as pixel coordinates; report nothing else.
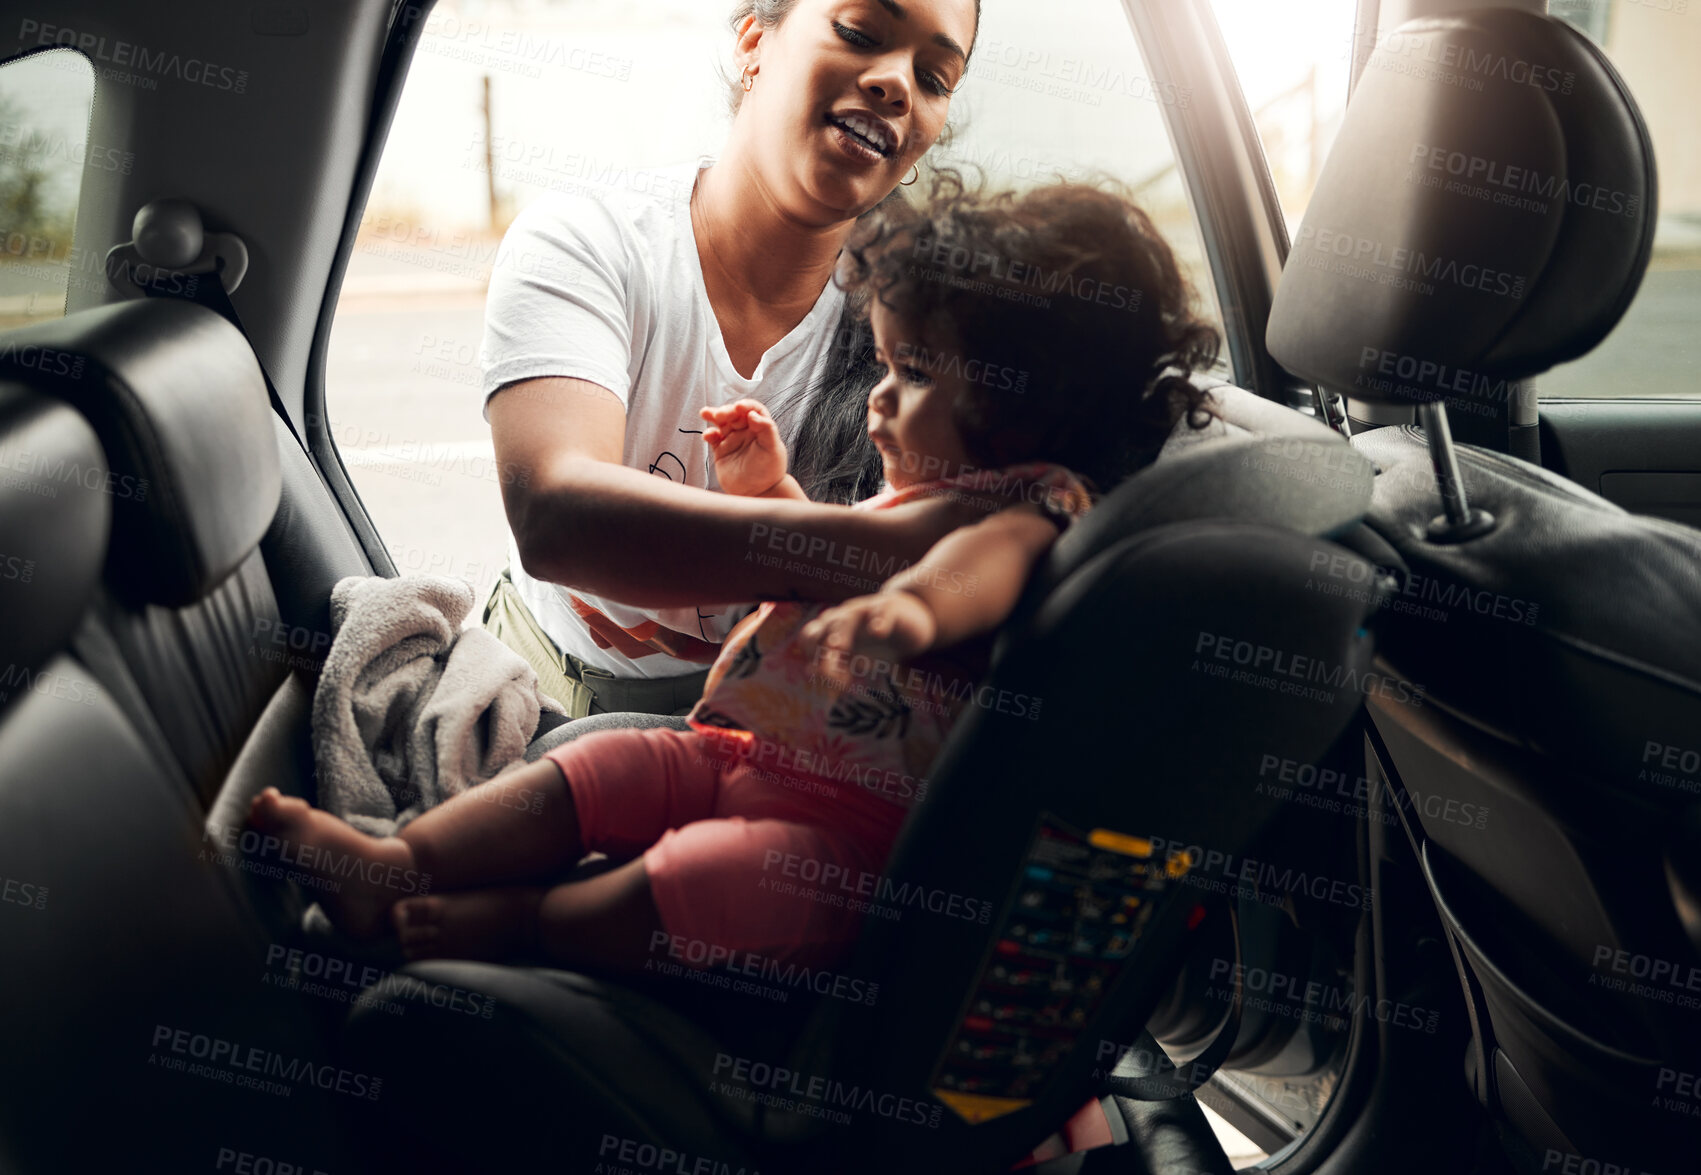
(1460, 520)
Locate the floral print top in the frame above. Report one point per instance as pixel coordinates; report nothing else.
(766, 699)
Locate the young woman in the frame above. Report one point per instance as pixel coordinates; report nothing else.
(634, 312)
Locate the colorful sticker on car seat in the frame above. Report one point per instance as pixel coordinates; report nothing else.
(1082, 902)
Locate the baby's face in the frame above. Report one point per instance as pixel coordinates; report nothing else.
(909, 410)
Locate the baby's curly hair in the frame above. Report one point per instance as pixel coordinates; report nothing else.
(1070, 293)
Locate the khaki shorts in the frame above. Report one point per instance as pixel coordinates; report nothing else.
(580, 688)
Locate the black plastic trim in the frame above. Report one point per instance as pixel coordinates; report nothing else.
(407, 25)
(1216, 146)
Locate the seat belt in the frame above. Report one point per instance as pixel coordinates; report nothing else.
(208, 290)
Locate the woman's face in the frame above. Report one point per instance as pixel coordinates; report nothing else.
(848, 95)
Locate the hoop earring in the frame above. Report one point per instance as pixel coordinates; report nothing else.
(908, 182)
(748, 77)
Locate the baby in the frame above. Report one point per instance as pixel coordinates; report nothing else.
(1036, 349)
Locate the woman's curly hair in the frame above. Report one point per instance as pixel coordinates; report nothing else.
(1063, 304)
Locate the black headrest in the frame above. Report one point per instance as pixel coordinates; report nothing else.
(55, 516)
(177, 398)
(1486, 212)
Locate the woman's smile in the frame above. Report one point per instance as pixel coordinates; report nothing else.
(864, 136)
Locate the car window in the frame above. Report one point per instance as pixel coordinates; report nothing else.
(1654, 45)
(1062, 92)
(1293, 59)
(485, 127)
(45, 158)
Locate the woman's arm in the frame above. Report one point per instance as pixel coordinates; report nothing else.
(583, 519)
(967, 584)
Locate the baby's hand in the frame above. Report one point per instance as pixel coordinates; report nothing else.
(887, 626)
(750, 458)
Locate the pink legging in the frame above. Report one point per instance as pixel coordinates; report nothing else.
(740, 859)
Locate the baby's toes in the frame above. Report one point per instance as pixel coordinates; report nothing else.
(271, 808)
(418, 920)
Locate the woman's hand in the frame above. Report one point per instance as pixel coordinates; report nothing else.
(888, 626)
(750, 458)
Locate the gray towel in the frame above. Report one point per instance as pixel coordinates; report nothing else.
(411, 710)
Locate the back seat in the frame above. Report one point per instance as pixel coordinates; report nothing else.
(153, 968)
(188, 632)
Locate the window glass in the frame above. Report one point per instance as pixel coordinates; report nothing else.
(1655, 45)
(45, 101)
(1292, 58)
(509, 100)
(1062, 91)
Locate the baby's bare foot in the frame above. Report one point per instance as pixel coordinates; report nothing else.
(360, 877)
(492, 924)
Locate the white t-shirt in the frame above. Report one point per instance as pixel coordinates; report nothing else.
(609, 288)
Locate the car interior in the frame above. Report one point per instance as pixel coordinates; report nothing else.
(1393, 580)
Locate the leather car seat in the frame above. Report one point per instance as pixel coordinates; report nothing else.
(1558, 635)
(121, 925)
